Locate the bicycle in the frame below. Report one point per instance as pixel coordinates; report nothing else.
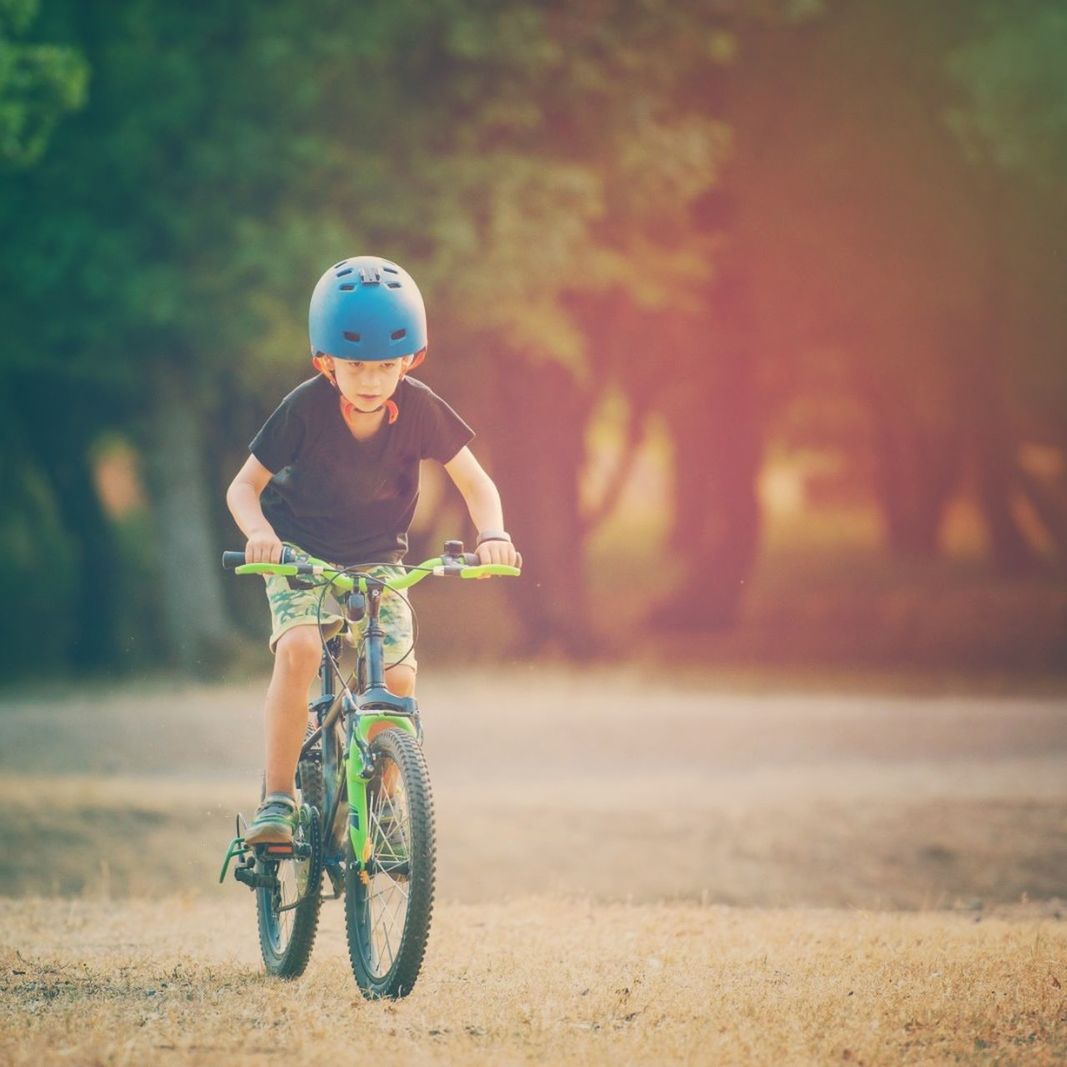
(365, 806)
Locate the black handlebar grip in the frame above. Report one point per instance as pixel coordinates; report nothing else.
(236, 559)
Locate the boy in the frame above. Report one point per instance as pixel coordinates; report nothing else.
(335, 472)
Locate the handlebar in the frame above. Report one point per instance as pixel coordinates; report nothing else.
(461, 564)
(232, 560)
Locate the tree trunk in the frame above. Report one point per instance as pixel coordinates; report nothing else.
(715, 428)
(537, 459)
(915, 470)
(995, 438)
(190, 593)
(60, 437)
(994, 452)
(1049, 507)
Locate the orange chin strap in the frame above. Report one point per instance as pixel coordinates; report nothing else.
(348, 409)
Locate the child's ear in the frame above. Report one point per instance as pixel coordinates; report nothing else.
(323, 364)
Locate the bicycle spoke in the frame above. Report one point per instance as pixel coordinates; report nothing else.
(387, 933)
(387, 901)
(393, 887)
(391, 915)
(379, 925)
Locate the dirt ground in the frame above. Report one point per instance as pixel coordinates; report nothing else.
(627, 873)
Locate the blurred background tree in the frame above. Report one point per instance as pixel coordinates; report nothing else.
(691, 238)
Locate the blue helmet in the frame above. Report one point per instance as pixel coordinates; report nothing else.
(367, 308)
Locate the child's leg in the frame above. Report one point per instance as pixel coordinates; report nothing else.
(296, 662)
(398, 645)
(400, 679)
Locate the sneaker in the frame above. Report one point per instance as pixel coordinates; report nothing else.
(274, 822)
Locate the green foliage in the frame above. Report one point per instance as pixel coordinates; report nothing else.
(39, 84)
(230, 153)
(1014, 75)
(527, 161)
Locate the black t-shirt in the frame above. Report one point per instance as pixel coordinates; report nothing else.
(343, 500)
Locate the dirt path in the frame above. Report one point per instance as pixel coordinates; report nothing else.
(552, 782)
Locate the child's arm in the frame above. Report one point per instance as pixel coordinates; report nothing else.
(242, 499)
(483, 503)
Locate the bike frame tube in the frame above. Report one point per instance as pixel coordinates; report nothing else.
(375, 706)
(326, 708)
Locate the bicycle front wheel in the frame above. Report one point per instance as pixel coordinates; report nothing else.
(389, 899)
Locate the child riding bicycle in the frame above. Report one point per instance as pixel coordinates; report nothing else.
(334, 472)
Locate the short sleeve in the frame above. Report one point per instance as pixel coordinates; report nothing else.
(279, 441)
(444, 433)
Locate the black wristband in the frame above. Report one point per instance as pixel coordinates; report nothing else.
(493, 535)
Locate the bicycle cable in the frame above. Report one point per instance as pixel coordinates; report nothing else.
(359, 569)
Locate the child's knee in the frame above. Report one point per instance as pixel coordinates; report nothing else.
(298, 651)
(400, 679)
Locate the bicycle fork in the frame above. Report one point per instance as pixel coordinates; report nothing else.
(375, 709)
(360, 771)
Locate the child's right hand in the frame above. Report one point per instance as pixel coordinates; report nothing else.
(263, 547)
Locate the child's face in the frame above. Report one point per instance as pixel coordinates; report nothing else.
(369, 385)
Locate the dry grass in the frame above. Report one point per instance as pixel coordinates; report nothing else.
(537, 980)
(624, 879)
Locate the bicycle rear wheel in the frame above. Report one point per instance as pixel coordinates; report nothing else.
(288, 909)
(389, 901)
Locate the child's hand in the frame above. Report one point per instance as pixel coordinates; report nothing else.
(499, 552)
(263, 547)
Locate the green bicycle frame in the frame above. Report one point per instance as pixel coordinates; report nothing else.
(358, 773)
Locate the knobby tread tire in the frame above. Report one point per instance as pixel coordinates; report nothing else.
(293, 959)
(406, 753)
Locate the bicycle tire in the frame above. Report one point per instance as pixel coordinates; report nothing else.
(395, 977)
(286, 952)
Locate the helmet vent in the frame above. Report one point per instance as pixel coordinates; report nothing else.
(396, 335)
(353, 337)
(342, 273)
(341, 264)
(391, 270)
(392, 285)
(347, 287)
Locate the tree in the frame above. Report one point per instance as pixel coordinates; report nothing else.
(876, 248)
(1012, 124)
(39, 84)
(509, 156)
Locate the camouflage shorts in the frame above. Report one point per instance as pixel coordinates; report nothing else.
(300, 607)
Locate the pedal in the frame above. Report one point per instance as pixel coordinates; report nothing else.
(284, 850)
(254, 879)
